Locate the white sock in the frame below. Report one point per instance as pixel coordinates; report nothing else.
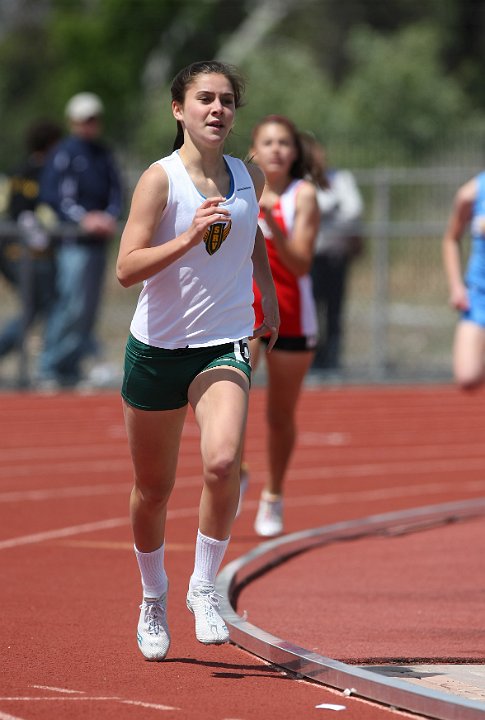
(153, 576)
(271, 497)
(209, 554)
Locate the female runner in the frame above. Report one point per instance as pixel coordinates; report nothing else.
(289, 218)
(467, 295)
(192, 239)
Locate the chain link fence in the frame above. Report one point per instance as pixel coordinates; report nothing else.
(398, 325)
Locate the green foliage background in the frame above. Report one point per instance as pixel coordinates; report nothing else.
(384, 82)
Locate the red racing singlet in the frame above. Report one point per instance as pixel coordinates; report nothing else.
(295, 297)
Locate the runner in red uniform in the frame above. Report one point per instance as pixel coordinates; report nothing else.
(289, 219)
(297, 307)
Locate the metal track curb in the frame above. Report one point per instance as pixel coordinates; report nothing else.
(348, 678)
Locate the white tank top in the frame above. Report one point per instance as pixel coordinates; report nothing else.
(205, 297)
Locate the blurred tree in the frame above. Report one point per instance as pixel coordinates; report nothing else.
(283, 78)
(22, 76)
(464, 49)
(121, 49)
(105, 45)
(349, 66)
(397, 98)
(326, 25)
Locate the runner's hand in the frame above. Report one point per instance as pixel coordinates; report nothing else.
(208, 213)
(271, 321)
(459, 298)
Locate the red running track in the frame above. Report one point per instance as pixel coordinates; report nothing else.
(410, 599)
(70, 587)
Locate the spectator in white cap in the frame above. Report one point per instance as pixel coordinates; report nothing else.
(83, 106)
(81, 183)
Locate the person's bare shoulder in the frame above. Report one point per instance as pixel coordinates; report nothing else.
(152, 187)
(467, 193)
(463, 205)
(307, 189)
(306, 197)
(155, 176)
(257, 177)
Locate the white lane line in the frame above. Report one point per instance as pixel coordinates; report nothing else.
(59, 493)
(93, 698)
(308, 500)
(85, 528)
(84, 490)
(59, 690)
(139, 703)
(34, 698)
(322, 438)
(391, 468)
(63, 532)
(307, 473)
(154, 706)
(364, 470)
(381, 494)
(78, 467)
(55, 452)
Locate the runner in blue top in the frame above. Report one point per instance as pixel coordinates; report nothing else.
(468, 294)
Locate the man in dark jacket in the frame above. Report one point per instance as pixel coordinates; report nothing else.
(82, 185)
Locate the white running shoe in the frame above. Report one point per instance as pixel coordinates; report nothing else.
(203, 602)
(243, 486)
(153, 635)
(269, 518)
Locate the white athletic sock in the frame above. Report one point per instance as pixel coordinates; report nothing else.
(153, 576)
(209, 554)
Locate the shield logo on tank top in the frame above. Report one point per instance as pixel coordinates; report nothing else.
(215, 235)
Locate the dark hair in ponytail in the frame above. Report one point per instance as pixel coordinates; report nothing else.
(315, 159)
(187, 76)
(179, 138)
